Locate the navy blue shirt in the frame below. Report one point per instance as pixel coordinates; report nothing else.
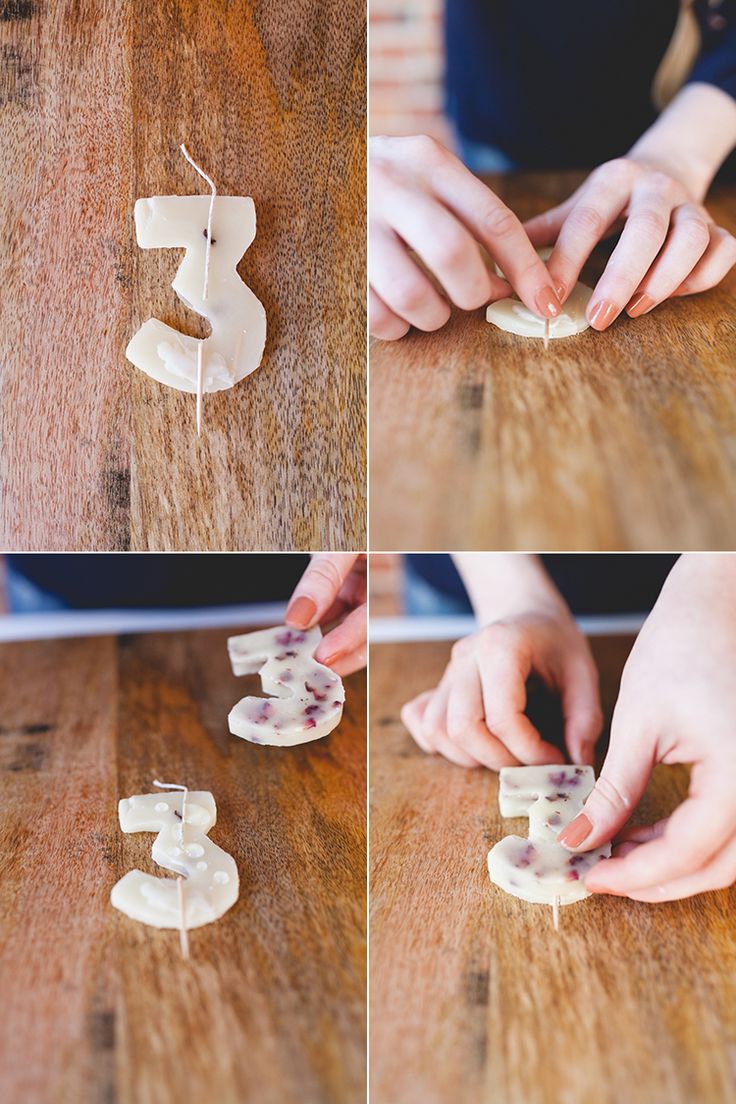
(568, 85)
(605, 583)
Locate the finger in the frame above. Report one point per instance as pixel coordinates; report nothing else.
(401, 284)
(504, 668)
(622, 781)
(581, 708)
(349, 662)
(720, 873)
(715, 263)
(598, 204)
(349, 636)
(444, 245)
(466, 726)
(318, 587)
(692, 837)
(544, 229)
(455, 754)
(434, 722)
(383, 323)
(492, 223)
(687, 241)
(642, 833)
(643, 235)
(412, 717)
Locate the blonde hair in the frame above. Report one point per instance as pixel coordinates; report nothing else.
(679, 59)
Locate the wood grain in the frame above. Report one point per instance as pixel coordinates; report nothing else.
(473, 995)
(622, 440)
(99, 1008)
(95, 99)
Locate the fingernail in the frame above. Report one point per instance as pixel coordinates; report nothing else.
(326, 661)
(560, 290)
(602, 314)
(640, 304)
(300, 612)
(577, 830)
(547, 303)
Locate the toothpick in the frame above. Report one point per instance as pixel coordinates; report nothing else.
(546, 333)
(205, 287)
(556, 913)
(199, 389)
(183, 935)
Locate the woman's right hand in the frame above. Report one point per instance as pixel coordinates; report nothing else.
(423, 200)
(476, 714)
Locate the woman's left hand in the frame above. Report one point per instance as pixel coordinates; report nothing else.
(669, 245)
(334, 589)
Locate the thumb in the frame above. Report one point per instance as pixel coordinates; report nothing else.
(614, 797)
(318, 587)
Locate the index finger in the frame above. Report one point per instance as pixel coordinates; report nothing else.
(494, 225)
(318, 587)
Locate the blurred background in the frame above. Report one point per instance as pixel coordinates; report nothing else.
(59, 594)
(420, 596)
(406, 67)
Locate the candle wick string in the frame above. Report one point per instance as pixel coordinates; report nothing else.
(205, 288)
(185, 792)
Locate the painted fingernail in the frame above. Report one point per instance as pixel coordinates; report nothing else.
(547, 303)
(300, 612)
(577, 830)
(560, 289)
(602, 314)
(640, 304)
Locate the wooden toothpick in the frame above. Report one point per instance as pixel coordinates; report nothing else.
(546, 333)
(183, 934)
(208, 247)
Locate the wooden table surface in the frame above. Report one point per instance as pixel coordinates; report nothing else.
(95, 99)
(621, 440)
(98, 1008)
(473, 995)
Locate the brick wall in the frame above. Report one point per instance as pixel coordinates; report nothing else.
(386, 584)
(405, 68)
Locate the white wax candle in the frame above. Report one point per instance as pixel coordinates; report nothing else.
(211, 885)
(512, 316)
(538, 869)
(307, 696)
(238, 320)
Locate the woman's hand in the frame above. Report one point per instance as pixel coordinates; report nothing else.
(677, 704)
(334, 588)
(476, 714)
(423, 199)
(669, 245)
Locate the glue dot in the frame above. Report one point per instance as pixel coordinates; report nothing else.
(195, 850)
(221, 877)
(161, 806)
(201, 866)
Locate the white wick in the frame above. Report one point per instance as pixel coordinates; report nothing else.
(185, 791)
(211, 183)
(208, 246)
(556, 913)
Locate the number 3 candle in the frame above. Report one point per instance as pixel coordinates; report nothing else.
(182, 821)
(215, 231)
(307, 696)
